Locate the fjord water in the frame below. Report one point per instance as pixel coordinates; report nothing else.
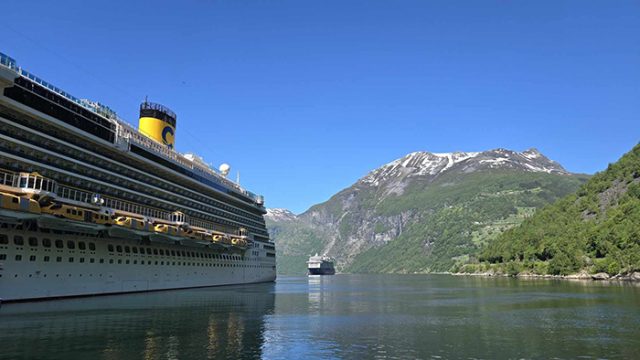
(342, 316)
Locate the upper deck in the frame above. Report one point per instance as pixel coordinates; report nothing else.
(102, 122)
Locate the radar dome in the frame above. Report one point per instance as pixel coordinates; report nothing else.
(224, 169)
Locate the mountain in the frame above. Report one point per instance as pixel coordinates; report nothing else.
(423, 212)
(594, 230)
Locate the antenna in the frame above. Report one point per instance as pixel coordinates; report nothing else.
(238, 177)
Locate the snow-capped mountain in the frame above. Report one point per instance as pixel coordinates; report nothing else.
(421, 212)
(430, 165)
(280, 215)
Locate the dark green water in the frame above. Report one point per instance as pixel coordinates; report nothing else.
(343, 316)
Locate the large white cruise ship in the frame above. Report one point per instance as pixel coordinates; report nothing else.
(90, 205)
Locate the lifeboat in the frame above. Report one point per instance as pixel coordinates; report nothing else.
(216, 237)
(226, 240)
(68, 212)
(166, 229)
(102, 219)
(185, 232)
(238, 241)
(132, 223)
(17, 203)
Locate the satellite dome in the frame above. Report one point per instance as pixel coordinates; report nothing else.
(224, 169)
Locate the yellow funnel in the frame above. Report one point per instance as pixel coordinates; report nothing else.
(158, 123)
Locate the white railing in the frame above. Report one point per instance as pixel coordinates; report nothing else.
(8, 178)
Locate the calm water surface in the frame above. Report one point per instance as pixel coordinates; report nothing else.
(342, 316)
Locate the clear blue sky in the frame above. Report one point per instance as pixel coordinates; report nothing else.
(305, 97)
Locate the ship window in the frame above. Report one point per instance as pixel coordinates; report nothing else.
(32, 258)
(110, 261)
(18, 240)
(81, 260)
(68, 211)
(127, 261)
(110, 247)
(59, 244)
(162, 252)
(173, 253)
(134, 249)
(46, 242)
(3, 256)
(183, 254)
(92, 246)
(46, 259)
(70, 259)
(33, 241)
(4, 239)
(59, 259)
(155, 251)
(92, 260)
(127, 249)
(101, 261)
(119, 248)
(119, 261)
(15, 200)
(148, 251)
(71, 244)
(82, 245)
(73, 212)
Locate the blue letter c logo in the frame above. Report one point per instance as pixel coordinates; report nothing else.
(165, 131)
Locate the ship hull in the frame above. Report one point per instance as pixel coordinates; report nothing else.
(38, 272)
(322, 271)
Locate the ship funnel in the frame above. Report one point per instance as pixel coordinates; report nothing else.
(158, 123)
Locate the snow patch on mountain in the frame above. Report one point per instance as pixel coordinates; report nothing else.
(280, 215)
(416, 164)
(431, 165)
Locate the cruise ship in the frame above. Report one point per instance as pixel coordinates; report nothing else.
(90, 205)
(321, 265)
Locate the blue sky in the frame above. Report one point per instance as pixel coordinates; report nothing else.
(305, 97)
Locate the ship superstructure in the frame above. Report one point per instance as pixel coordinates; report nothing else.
(91, 205)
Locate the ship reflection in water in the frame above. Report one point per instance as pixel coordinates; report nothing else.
(209, 323)
(337, 317)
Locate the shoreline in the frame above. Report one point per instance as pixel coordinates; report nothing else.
(583, 276)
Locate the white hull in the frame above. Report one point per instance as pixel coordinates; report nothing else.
(37, 272)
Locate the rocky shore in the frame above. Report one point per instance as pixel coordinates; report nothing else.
(634, 276)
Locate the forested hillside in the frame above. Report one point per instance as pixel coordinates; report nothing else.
(596, 229)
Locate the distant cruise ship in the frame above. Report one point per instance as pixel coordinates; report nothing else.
(321, 265)
(90, 205)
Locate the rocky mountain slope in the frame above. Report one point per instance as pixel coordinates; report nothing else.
(423, 212)
(595, 230)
